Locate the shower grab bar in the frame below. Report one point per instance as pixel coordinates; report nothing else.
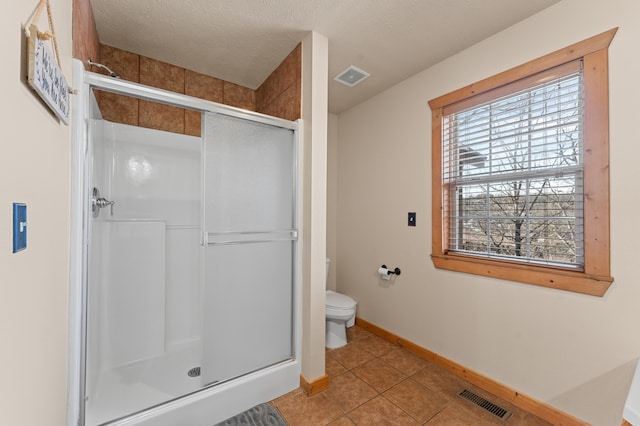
(247, 237)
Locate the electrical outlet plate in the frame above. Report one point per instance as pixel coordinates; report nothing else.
(19, 227)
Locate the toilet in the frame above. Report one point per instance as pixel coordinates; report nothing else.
(340, 312)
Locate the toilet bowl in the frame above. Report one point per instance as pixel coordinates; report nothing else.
(340, 311)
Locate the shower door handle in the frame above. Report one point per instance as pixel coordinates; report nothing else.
(98, 203)
(103, 202)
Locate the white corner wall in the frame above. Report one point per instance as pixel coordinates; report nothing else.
(34, 169)
(573, 351)
(315, 48)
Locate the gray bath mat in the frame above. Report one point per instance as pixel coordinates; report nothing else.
(260, 415)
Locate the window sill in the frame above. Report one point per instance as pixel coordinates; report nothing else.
(578, 282)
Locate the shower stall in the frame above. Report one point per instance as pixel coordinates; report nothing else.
(185, 309)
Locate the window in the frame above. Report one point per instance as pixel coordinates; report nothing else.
(520, 172)
(513, 170)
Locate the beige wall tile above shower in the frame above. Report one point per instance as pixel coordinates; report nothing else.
(286, 106)
(161, 117)
(118, 108)
(161, 75)
(279, 95)
(123, 63)
(85, 36)
(286, 75)
(239, 96)
(192, 123)
(204, 87)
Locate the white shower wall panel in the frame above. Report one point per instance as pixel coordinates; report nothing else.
(183, 287)
(154, 176)
(135, 296)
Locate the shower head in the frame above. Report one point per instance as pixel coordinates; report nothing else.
(104, 67)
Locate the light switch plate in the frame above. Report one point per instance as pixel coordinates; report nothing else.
(411, 219)
(19, 227)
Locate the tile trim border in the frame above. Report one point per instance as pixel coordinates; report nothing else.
(527, 403)
(314, 386)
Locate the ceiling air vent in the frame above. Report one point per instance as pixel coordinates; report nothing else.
(351, 76)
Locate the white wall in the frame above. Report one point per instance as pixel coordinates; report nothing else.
(314, 202)
(572, 351)
(332, 198)
(34, 169)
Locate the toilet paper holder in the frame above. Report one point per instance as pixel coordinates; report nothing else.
(383, 269)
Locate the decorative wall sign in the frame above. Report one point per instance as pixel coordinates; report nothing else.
(45, 76)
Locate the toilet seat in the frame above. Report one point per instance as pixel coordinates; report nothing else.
(339, 301)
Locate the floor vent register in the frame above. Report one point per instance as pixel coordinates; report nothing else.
(489, 406)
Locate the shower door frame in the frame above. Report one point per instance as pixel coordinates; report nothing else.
(286, 374)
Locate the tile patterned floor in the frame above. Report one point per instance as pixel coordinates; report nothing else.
(373, 382)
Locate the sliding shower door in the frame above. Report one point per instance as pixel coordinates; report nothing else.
(248, 237)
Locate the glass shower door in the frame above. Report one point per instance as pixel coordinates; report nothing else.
(248, 237)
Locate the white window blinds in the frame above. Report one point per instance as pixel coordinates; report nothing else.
(513, 172)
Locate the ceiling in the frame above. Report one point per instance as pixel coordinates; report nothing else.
(243, 41)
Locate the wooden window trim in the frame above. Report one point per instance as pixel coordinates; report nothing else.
(596, 278)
